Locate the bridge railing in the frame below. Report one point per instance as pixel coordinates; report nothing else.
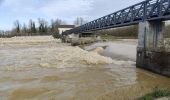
(146, 10)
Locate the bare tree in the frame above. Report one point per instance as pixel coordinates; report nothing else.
(32, 27)
(17, 28)
(24, 29)
(79, 21)
(58, 22)
(55, 24)
(43, 26)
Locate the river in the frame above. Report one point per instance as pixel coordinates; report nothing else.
(42, 68)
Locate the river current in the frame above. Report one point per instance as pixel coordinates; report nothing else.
(42, 68)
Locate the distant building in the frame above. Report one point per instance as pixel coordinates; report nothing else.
(63, 28)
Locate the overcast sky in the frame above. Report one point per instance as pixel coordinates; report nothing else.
(68, 10)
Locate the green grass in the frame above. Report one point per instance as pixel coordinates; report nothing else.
(107, 37)
(157, 93)
(113, 38)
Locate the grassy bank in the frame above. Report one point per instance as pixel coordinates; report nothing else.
(157, 93)
(112, 38)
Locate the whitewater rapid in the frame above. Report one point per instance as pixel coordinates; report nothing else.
(43, 68)
(28, 52)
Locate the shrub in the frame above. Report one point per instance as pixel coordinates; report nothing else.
(56, 35)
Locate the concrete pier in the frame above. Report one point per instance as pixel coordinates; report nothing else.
(151, 51)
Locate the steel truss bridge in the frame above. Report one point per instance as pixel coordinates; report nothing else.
(148, 10)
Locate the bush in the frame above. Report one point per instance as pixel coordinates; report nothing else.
(56, 35)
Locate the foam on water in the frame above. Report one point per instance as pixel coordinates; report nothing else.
(47, 53)
(75, 57)
(35, 70)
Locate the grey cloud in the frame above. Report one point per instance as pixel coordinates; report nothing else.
(67, 10)
(1, 1)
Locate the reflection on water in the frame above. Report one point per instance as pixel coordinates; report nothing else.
(54, 71)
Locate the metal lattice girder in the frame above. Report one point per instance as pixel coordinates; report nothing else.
(143, 11)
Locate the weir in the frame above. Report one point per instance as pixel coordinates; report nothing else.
(152, 51)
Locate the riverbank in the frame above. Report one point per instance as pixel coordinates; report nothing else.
(46, 70)
(124, 51)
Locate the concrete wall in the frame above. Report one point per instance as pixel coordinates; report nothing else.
(151, 35)
(152, 53)
(63, 30)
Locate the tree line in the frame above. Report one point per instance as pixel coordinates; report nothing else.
(32, 29)
(43, 27)
(128, 31)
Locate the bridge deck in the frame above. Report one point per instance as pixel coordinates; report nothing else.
(143, 11)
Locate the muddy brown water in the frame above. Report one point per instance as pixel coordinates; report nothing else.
(33, 71)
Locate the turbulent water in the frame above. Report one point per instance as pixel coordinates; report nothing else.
(42, 68)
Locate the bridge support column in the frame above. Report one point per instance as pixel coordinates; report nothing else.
(151, 52)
